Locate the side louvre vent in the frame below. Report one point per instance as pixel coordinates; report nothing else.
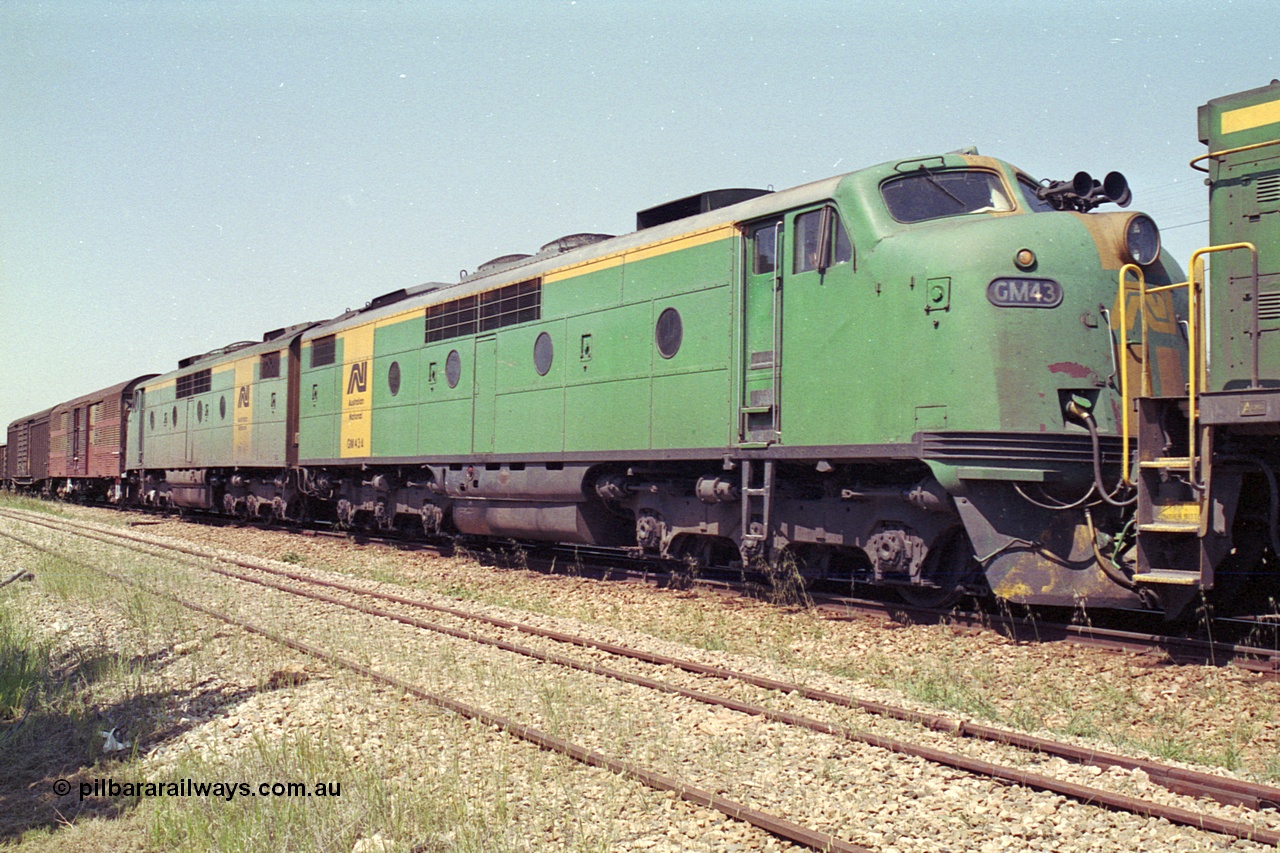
(1268, 191)
(1269, 308)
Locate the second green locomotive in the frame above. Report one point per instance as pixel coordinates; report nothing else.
(1208, 454)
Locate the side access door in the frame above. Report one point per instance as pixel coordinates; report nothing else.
(830, 324)
(759, 421)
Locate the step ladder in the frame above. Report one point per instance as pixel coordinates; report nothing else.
(1179, 545)
(757, 510)
(1170, 521)
(1171, 477)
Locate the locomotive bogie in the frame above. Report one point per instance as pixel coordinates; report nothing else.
(880, 522)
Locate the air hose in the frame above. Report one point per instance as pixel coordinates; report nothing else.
(1109, 568)
(1075, 410)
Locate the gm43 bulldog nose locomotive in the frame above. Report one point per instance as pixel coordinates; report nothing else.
(905, 376)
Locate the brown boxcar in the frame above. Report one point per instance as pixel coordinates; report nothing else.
(86, 442)
(28, 455)
(4, 466)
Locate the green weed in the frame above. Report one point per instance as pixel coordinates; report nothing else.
(24, 666)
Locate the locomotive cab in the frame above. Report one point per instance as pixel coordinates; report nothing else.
(971, 337)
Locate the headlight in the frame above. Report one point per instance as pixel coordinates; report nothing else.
(1142, 239)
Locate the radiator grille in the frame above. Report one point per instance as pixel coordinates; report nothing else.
(1024, 448)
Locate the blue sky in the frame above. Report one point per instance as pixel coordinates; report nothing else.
(176, 176)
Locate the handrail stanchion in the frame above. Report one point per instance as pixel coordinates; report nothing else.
(1122, 343)
(1200, 371)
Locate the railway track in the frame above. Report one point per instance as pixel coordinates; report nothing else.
(774, 824)
(1179, 780)
(1252, 644)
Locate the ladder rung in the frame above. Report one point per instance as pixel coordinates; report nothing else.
(1168, 462)
(1170, 527)
(1169, 576)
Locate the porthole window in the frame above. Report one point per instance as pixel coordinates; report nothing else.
(453, 368)
(669, 332)
(222, 408)
(199, 413)
(544, 352)
(175, 415)
(153, 419)
(393, 378)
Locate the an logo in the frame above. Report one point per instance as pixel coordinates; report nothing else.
(359, 380)
(242, 398)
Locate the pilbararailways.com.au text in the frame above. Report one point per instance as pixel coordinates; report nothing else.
(190, 788)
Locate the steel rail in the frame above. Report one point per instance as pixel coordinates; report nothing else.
(1182, 781)
(1177, 779)
(771, 823)
(1262, 661)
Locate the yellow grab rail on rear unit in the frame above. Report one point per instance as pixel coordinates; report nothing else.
(1197, 352)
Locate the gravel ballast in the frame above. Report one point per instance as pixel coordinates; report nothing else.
(230, 696)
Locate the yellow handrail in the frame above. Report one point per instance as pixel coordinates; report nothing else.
(1197, 357)
(1224, 152)
(1201, 370)
(1123, 359)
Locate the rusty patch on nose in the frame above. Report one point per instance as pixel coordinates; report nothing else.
(1075, 371)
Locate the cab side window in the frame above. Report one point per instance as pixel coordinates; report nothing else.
(821, 241)
(764, 248)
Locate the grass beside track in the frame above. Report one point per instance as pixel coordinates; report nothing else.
(80, 655)
(152, 662)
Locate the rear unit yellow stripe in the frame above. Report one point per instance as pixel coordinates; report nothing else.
(1247, 118)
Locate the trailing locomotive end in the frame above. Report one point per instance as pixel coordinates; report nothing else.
(219, 434)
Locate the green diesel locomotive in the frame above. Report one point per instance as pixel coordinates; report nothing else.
(905, 376)
(1208, 451)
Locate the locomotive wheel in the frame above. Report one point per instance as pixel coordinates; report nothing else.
(949, 569)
